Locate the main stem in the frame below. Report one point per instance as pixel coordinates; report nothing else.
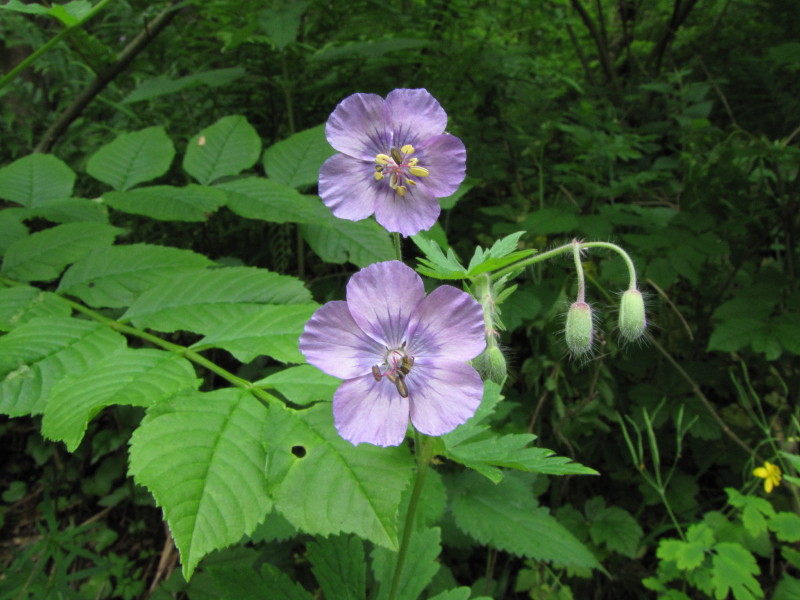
(424, 450)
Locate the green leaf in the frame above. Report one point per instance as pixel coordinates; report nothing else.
(20, 304)
(786, 526)
(617, 529)
(227, 147)
(70, 210)
(259, 198)
(269, 330)
(281, 23)
(337, 241)
(11, 227)
(161, 86)
(498, 256)
(193, 203)
(754, 510)
(687, 556)
(296, 160)
(43, 255)
(462, 593)
(116, 276)
(202, 457)
(339, 565)
(735, 334)
(418, 570)
(549, 221)
(302, 385)
(278, 586)
(37, 355)
(35, 180)
(449, 202)
(132, 158)
(506, 517)
(128, 377)
(733, 568)
(436, 264)
(355, 490)
(201, 301)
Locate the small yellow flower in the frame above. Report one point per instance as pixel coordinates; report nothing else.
(771, 474)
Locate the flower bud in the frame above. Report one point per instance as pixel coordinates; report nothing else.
(492, 365)
(579, 329)
(632, 320)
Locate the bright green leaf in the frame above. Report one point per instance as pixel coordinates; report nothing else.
(339, 565)
(355, 489)
(267, 200)
(70, 210)
(338, 240)
(193, 203)
(43, 255)
(296, 160)
(116, 276)
(202, 457)
(733, 568)
(11, 227)
(20, 304)
(36, 179)
(418, 570)
(786, 526)
(132, 158)
(436, 264)
(227, 147)
(618, 530)
(127, 377)
(303, 384)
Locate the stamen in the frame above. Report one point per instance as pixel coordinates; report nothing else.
(393, 181)
(419, 171)
(407, 149)
(398, 158)
(383, 159)
(377, 175)
(411, 182)
(401, 190)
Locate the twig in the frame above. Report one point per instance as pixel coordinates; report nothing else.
(667, 299)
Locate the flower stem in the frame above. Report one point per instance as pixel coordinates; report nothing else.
(424, 454)
(398, 251)
(576, 253)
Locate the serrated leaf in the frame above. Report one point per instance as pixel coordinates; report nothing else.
(20, 304)
(617, 529)
(436, 264)
(132, 158)
(356, 490)
(192, 203)
(202, 457)
(269, 330)
(37, 355)
(786, 526)
(259, 198)
(339, 565)
(127, 377)
(359, 242)
(302, 385)
(36, 179)
(462, 593)
(43, 255)
(278, 586)
(70, 210)
(201, 301)
(418, 570)
(227, 147)
(116, 276)
(282, 22)
(733, 568)
(296, 160)
(506, 517)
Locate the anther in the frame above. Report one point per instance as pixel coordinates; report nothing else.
(419, 171)
(407, 149)
(383, 159)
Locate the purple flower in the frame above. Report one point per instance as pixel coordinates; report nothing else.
(395, 160)
(402, 355)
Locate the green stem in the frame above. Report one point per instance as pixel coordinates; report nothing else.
(398, 250)
(424, 453)
(576, 254)
(49, 44)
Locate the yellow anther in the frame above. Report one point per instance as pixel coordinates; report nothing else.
(411, 182)
(378, 176)
(419, 171)
(401, 190)
(413, 162)
(383, 159)
(393, 180)
(407, 149)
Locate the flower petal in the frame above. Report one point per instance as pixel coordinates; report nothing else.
(334, 343)
(448, 324)
(382, 298)
(409, 214)
(445, 157)
(359, 126)
(442, 395)
(347, 186)
(414, 115)
(365, 410)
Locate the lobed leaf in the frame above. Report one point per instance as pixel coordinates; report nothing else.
(618, 530)
(227, 147)
(202, 301)
(20, 304)
(355, 490)
(192, 203)
(43, 255)
(733, 568)
(296, 160)
(436, 264)
(268, 330)
(339, 565)
(202, 457)
(132, 158)
(128, 377)
(40, 353)
(36, 179)
(259, 198)
(116, 276)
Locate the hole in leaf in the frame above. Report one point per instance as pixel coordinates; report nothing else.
(299, 451)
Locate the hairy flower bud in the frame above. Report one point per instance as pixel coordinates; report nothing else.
(492, 365)
(632, 320)
(580, 329)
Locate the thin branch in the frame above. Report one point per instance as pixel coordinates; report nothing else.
(680, 12)
(602, 49)
(131, 51)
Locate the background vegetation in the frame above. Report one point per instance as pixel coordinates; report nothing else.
(669, 127)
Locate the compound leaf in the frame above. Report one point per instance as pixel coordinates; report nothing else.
(36, 179)
(227, 147)
(296, 160)
(132, 158)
